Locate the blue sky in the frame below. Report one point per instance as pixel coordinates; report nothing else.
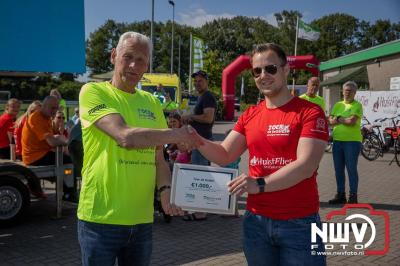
(197, 12)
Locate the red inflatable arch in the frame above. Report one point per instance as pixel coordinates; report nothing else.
(229, 74)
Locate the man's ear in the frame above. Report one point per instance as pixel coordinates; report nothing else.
(113, 56)
(286, 69)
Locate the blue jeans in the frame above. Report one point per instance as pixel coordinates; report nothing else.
(199, 159)
(102, 244)
(280, 242)
(345, 154)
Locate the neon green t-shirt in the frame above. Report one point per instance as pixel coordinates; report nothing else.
(64, 108)
(118, 184)
(344, 132)
(317, 100)
(159, 95)
(169, 106)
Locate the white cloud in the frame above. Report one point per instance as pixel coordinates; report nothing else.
(199, 17)
(306, 16)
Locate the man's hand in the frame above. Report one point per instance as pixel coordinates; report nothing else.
(61, 138)
(186, 119)
(169, 209)
(56, 140)
(333, 120)
(242, 184)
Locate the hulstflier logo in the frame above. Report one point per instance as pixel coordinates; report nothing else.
(349, 235)
(271, 163)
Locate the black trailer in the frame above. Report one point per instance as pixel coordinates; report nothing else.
(18, 182)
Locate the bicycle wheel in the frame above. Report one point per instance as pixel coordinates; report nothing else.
(328, 147)
(397, 151)
(371, 147)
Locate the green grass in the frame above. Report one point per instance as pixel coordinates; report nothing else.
(24, 107)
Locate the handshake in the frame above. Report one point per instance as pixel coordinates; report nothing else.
(187, 138)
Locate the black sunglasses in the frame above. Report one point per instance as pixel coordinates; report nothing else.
(270, 69)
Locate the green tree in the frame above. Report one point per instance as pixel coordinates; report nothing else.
(363, 35)
(70, 89)
(337, 37)
(214, 66)
(99, 45)
(287, 30)
(382, 31)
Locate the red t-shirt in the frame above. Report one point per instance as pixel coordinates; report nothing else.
(6, 127)
(272, 137)
(18, 136)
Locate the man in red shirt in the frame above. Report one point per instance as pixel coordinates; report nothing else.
(7, 126)
(286, 137)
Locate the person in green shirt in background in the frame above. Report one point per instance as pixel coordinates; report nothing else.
(169, 106)
(346, 121)
(123, 131)
(61, 102)
(311, 93)
(160, 93)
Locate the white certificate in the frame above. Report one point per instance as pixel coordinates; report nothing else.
(203, 188)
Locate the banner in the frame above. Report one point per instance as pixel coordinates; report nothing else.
(307, 32)
(197, 54)
(380, 104)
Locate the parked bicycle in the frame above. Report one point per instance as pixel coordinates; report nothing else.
(376, 142)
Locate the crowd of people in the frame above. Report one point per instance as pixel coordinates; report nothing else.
(37, 133)
(130, 150)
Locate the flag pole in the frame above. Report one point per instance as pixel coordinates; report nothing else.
(295, 51)
(190, 64)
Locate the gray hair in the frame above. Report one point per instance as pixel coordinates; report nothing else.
(55, 93)
(48, 99)
(136, 36)
(312, 78)
(351, 84)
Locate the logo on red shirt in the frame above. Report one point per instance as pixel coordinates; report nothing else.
(320, 125)
(271, 163)
(278, 130)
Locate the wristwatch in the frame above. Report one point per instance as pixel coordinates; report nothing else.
(261, 184)
(165, 187)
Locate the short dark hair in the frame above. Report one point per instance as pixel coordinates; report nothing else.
(264, 47)
(175, 115)
(200, 73)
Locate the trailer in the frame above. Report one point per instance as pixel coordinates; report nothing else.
(18, 182)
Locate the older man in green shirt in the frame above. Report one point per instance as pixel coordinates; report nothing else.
(123, 131)
(345, 118)
(311, 93)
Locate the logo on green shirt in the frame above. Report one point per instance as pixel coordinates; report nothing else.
(97, 108)
(146, 114)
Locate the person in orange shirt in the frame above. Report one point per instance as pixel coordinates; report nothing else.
(19, 125)
(7, 126)
(38, 139)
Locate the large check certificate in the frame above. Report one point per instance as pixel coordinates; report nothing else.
(203, 188)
